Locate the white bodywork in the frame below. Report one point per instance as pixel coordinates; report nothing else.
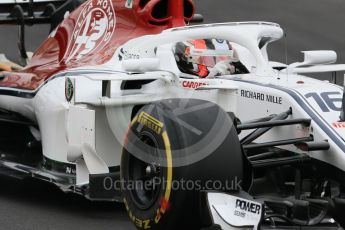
(89, 130)
(232, 212)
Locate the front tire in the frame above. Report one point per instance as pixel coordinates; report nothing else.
(174, 149)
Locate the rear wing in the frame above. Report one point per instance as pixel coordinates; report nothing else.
(26, 1)
(29, 12)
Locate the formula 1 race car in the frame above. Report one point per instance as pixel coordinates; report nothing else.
(191, 126)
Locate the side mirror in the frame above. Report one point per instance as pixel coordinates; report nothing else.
(316, 57)
(141, 65)
(320, 57)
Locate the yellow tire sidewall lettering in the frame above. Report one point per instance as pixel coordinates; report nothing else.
(156, 126)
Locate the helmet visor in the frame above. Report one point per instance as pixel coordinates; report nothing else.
(209, 57)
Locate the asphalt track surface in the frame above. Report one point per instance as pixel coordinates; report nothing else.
(309, 25)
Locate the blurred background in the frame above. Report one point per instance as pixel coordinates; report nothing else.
(309, 24)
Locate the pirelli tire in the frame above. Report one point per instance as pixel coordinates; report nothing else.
(172, 142)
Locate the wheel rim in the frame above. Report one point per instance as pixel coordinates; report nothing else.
(146, 178)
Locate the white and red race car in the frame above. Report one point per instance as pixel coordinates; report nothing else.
(126, 102)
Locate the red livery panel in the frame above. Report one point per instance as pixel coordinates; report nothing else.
(91, 34)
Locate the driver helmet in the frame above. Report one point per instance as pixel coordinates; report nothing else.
(199, 57)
